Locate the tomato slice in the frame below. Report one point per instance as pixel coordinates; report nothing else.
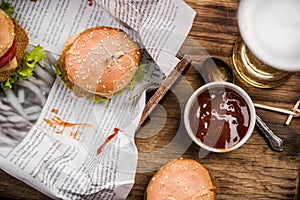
(10, 54)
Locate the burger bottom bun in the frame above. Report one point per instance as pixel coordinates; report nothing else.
(22, 41)
(182, 179)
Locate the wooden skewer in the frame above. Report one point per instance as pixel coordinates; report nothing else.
(289, 112)
(294, 112)
(296, 109)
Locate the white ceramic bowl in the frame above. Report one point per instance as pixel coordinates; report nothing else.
(233, 87)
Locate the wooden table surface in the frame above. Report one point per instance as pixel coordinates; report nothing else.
(253, 171)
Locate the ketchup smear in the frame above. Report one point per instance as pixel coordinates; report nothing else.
(108, 139)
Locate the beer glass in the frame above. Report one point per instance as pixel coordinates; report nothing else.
(268, 51)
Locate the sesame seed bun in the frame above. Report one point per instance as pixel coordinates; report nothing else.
(6, 32)
(181, 179)
(100, 61)
(11, 31)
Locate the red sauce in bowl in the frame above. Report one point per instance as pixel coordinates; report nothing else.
(219, 117)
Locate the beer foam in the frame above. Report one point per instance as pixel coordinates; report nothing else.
(271, 30)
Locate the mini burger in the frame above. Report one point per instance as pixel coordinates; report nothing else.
(182, 179)
(100, 62)
(15, 63)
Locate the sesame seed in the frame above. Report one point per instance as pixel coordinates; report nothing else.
(186, 189)
(153, 178)
(103, 86)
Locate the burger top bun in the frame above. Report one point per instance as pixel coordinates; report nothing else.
(100, 61)
(181, 179)
(7, 33)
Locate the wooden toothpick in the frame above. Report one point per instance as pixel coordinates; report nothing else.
(294, 112)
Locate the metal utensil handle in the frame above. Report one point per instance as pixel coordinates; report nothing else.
(275, 142)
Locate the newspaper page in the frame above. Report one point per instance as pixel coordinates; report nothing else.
(69, 147)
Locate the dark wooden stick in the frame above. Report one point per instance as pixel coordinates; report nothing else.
(182, 66)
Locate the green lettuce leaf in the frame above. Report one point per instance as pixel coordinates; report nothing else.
(7, 7)
(100, 99)
(26, 68)
(139, 75)
(59, 73)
